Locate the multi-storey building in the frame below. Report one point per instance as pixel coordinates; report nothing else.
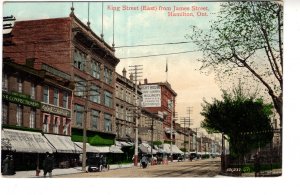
(160, 98)
(35, 121)
(69, 46)
(151, 127)
(126, 107)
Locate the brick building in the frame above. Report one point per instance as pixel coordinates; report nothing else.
(33, 123)
(69, 46)
(160, 98)
(125, 107)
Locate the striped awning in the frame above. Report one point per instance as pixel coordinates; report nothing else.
(26, 141)
(63, 144)
(94, 149)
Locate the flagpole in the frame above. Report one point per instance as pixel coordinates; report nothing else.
(167, 70)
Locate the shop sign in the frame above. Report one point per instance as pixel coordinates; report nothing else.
(21, 99)
(56, 110)
(151, 95)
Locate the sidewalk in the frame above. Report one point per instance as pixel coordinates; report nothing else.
(31, 173)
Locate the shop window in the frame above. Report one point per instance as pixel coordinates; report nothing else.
(4, 82)
(56, 97)
(32, 118)
(46, 122)
(79, 59)
(107, 122)
(65, 99)
(19, 115)
(79, 112)
(20, 85)
(46, 94)
(4, 112)
(56, 123)
(66, 125)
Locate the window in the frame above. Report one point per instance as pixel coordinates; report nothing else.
(79, 115)
(94, 119)
(79, 59)
(65, 99)
(32, 118)
(95, 94)
(56, 123)
(46, 122)
(20, 85)
(108, 99)
(80, 85)
(32, 91)
(4, 82)
(107, 75)
(66, 125)
(95, 69)
(46, 94)
(4, 112)
(56, 97)
(107, 122)
(19, 115)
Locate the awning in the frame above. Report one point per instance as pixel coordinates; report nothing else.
(25, 141)
(63, 144)
(115, 149)
(175, 149)
(124, 144)
(146, 148)
(94, 149)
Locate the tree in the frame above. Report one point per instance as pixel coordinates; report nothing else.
(245, 120)
(246, 37)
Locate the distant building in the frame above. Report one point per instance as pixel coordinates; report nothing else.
(159, 98)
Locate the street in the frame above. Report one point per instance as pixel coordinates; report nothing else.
(199, 168)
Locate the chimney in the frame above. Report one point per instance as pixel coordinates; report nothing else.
(146, 81)
(124, 72)
(131, 76)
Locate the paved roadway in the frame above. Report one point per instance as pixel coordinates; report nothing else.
(199, 168)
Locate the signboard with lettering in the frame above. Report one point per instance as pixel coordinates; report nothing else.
(56, 110)
(20, 99)
(151, 95)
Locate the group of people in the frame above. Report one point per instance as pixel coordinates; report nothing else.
(8, 166)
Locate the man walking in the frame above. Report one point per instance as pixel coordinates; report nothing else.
(48, 164)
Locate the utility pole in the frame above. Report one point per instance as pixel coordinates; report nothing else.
(171, 132)
(183, 120)
(136, 69)
(189, 111)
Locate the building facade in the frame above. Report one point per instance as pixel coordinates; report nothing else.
(126, 107)
(159, 98)
(69, 46)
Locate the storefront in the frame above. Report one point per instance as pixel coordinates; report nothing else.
(28, 148)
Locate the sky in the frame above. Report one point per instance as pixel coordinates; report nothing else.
(191, 86)
(136, 27)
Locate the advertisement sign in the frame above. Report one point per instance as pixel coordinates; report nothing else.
(151, 95)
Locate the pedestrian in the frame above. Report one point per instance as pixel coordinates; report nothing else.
(48, 164)
(144, 161)
(5, 165)
(11, 166)
(256, 164)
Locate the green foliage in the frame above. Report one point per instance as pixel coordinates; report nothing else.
(21, 128)
(100, 141)
(245, 121)
(157, 143)
(245, 41)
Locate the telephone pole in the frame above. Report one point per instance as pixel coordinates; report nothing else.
(137, 71)
(189, 111)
